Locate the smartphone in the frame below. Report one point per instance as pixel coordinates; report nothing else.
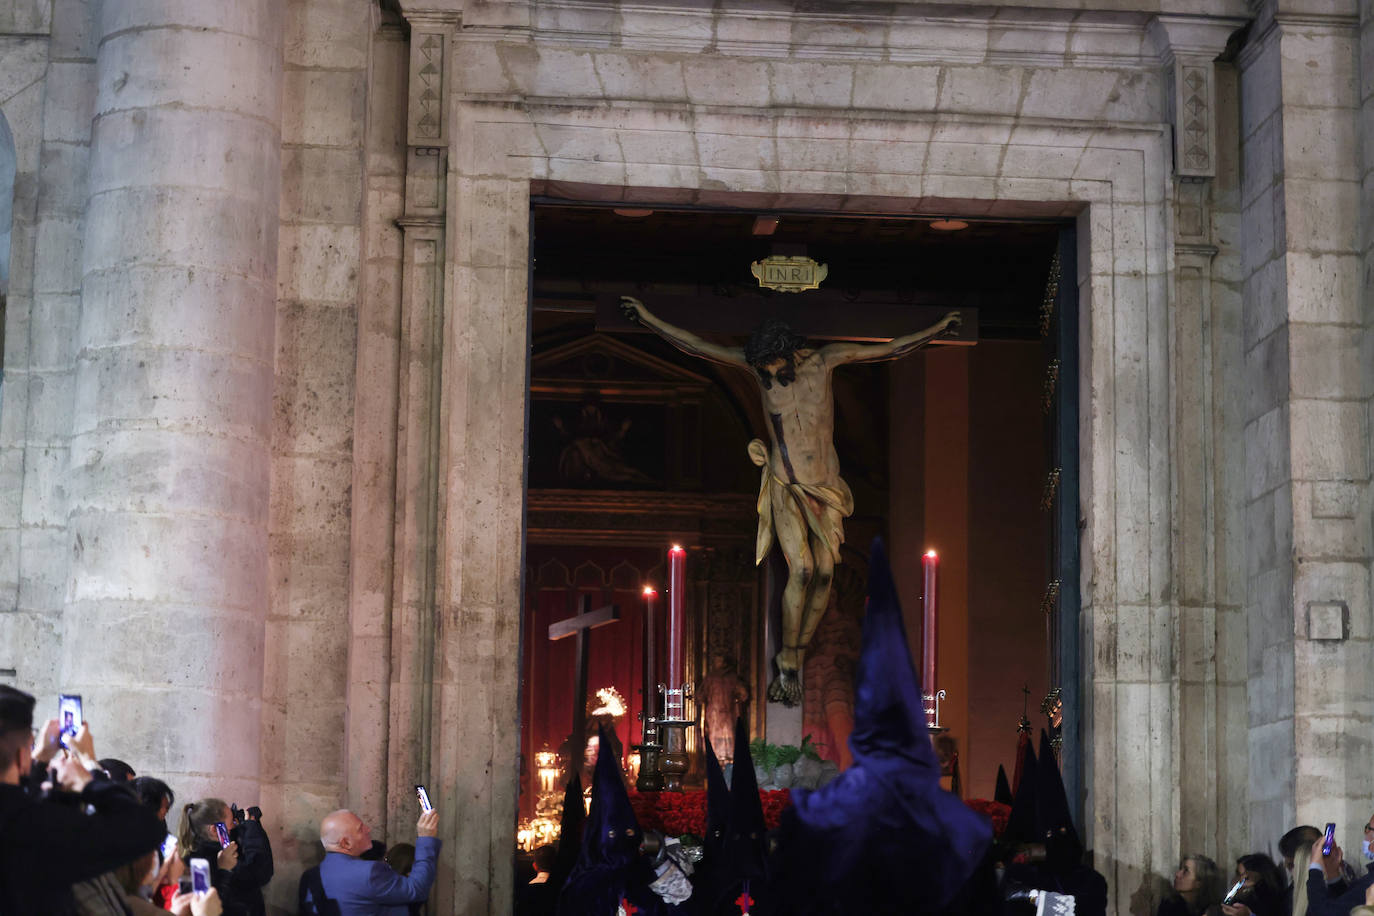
(69, 715)
(200, 876)
(1329, 841)
(223, 833)
(1231, 894)
(424, 799)
(184, 884)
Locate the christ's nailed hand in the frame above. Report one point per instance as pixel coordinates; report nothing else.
(630, 307)
(428, 824)
(953, 321)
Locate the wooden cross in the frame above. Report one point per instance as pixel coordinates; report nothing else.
(580, 626)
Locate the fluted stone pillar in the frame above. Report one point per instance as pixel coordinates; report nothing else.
(167, 591)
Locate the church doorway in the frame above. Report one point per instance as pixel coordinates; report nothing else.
(967, 447)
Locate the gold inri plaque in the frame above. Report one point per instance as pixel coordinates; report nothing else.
(788, 273)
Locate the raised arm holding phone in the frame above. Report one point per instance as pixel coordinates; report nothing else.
(352, 886)
(49, 844)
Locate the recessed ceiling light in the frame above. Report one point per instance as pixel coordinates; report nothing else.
(631, 213)
(945, 224)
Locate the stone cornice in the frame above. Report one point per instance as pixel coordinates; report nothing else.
(910, 34)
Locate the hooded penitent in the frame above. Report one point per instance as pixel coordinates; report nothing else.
(1021, 823)
(717, 805)
(884, 837)
(743, 863)
(1002, 794)
(1053, 819)
(570, 826)
(610, 875)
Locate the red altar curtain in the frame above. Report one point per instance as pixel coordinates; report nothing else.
(558, 579)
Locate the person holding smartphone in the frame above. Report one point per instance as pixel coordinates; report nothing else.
(240, 855)
(50, 842)
(1321, 899)
(360, 887)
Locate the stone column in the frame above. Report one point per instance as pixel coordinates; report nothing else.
(169, 478)
(1306, 437)
(1205, 490)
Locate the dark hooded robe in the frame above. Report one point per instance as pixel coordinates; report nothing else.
(611, 874)
(739, 867)
(1002, 794)
(1062, 870)
(884, 837)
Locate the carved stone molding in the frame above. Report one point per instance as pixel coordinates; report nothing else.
(1189, 47)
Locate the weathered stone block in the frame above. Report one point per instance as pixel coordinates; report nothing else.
(726, 82)
(1330, 440)
(319, 263)
(326, 107)
(1326, 361)
(145, 68)
(1320, 144)
(1323, 288)
(1326, 620)
(808, 84)
(325, 33)
(640, 76)
(1318, 69)
(1268, 373)
(983, 90)
(1335, 499)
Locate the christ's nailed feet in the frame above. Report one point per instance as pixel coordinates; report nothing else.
(786, 688)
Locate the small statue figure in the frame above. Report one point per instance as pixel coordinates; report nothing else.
(803, 501)
(722, 697)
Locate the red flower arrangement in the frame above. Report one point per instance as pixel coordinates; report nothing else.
(996, 812)
(676, 813)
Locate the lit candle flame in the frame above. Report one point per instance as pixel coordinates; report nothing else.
(650, 590)
(677, 548)
(930, 553)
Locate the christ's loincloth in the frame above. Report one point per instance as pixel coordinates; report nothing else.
(804, 501)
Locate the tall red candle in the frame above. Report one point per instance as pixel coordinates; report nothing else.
(677, 624)
(650, 705)
(930, 565)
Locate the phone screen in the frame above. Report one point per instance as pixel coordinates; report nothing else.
(69, 715)
(1235, 889)
(424, 799)
(200, 876)
(1329, 841)
(223, 833)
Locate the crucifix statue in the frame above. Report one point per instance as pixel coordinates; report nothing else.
(803, 501)
(580, 626)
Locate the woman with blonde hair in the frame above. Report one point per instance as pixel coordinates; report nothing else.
(1302, 858)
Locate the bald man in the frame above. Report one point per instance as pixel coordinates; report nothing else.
(359, 887)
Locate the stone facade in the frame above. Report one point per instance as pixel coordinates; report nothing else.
(262, 418)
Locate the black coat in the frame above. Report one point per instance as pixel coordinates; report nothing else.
(240, 889)
(1338, 900)
(48, 845)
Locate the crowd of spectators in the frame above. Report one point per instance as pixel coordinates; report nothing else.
(1309, 881)
(83, 836)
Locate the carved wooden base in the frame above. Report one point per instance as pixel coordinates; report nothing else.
(649, 779)
(673, 763)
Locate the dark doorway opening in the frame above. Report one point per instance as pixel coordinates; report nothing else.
(971, 449)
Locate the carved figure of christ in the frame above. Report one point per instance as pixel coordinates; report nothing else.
(803, 500)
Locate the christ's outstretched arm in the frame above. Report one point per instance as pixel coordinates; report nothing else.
(840, 353)
(685, 341)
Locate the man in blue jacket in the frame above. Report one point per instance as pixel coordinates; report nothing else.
(362, 887)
